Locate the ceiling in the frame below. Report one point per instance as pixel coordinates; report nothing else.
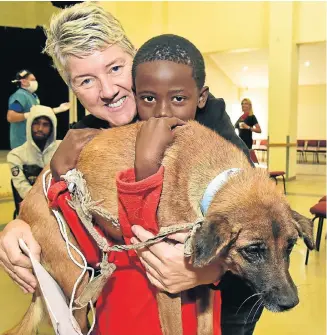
(249, 67)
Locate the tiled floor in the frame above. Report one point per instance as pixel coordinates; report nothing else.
(308, 318)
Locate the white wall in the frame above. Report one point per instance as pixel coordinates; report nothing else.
(311, 113)
(220, 85)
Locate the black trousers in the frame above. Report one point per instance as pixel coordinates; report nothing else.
(234, 292)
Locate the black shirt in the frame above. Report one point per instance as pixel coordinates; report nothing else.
(246, 134)
(213, 116)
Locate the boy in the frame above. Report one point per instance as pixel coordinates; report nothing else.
(168, 77)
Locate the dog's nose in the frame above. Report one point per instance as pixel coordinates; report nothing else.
(285, 306)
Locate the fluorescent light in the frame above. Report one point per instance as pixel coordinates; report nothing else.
(307, 63)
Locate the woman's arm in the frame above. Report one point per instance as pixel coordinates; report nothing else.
(12, 260)
(168, 269)
(256, 128)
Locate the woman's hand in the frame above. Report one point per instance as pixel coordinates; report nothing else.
(66, 156)
(151, 142)
(13, 261)
(166, 266)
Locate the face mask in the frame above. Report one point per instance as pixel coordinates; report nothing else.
(33, 86)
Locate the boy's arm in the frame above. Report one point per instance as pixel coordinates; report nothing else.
(139, 189)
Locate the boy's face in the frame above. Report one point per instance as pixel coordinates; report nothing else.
(164, 88)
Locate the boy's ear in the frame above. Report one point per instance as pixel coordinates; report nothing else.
(203, 96)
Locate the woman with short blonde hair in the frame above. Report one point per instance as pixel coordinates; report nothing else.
(247, 123)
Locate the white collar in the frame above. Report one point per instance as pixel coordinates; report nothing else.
(214, 186)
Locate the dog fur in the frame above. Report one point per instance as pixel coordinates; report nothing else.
(249, 226)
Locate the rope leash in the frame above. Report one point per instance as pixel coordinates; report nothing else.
(81, 201)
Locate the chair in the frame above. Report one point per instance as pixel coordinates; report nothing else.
(272, 174)
(321, 148)
(275, 174)
(312, 147)
(253, 157)
(31, 172)
(255, 144)
(17, 200)
(319, 212)
(263, 144)
(300, 144)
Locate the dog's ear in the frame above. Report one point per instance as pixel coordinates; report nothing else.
(212, 240)
(304, 227)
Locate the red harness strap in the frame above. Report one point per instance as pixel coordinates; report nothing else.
(58, 195)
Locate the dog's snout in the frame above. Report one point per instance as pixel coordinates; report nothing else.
(288, 304)
(280, 299)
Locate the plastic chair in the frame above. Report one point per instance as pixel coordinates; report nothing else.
(272, 174)
(263, 146)
(321, 148)
(17, 200)
(319, 212)
(300, 144)
(312, 147)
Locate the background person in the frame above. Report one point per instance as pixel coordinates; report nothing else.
(247, 123)
(28, 160)
(20, 103)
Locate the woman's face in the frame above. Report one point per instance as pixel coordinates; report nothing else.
(103, 84)
(246, 106)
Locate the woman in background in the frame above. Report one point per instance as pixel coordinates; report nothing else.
(247, 123)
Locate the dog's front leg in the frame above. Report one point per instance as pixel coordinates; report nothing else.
(170, 313)
(205, 305)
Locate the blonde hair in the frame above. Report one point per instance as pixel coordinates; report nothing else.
(79, 31)
(250, 103)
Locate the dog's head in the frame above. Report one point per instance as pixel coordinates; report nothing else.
(252, 230)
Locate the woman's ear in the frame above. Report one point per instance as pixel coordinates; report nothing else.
(204, 92)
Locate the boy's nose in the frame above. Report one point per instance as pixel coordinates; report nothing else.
(163, 111)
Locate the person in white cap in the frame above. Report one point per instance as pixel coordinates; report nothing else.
(19, 106)
(28, 160)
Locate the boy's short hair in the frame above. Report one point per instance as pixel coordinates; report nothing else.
(177, 49)
(79, 31)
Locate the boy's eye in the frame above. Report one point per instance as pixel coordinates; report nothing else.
(148, 99)
(178, 99)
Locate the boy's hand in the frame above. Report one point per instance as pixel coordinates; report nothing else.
(151, 142)
(66, 156)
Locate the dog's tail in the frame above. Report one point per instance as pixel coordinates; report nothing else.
(32, 318)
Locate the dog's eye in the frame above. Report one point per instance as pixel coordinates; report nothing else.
(290, 247)
(253, 252)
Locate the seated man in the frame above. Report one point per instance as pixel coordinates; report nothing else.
(28, 160)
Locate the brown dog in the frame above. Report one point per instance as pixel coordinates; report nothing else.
(249, 225)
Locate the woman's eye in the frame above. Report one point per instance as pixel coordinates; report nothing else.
(148, 99)
(116, 68)
(178, 99)
(87, 81)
